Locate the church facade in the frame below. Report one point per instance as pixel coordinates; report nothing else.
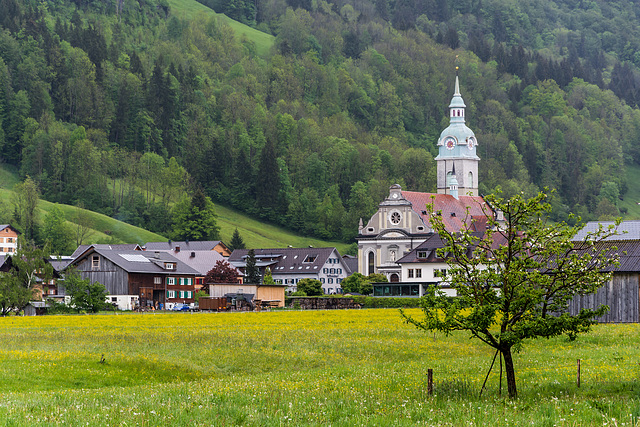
(402, 220)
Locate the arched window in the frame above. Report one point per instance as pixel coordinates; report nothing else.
(470, 183)
(393, 278)
(372, 263)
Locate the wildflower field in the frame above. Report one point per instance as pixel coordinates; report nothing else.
(341, 368)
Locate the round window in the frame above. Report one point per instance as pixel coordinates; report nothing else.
(395, 218)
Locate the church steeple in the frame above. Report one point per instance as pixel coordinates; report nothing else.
(457, 146)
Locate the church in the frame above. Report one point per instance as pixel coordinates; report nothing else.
(402, 221)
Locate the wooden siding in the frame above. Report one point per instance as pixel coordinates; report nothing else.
(271, 293)
(114, 278)
(621, 294)
(221, 289)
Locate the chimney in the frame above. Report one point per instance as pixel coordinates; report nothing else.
(193, 255)
(177, 249)
(157, 254)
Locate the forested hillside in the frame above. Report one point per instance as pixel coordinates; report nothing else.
(124, 107)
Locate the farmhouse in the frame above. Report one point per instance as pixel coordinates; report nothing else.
(201, 260)
(155, 277)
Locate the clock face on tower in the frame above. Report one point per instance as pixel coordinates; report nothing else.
(450, 142)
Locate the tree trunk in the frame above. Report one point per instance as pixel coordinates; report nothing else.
(511, 374)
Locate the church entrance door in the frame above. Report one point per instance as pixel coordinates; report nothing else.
(394, 278)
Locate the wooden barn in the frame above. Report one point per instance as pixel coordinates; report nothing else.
(156, 277)
(622, 293)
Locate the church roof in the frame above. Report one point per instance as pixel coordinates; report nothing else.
(454, 210)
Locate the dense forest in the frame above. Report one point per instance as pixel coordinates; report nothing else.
(124, 106)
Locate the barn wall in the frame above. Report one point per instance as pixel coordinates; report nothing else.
(114, 278)
(621, 294)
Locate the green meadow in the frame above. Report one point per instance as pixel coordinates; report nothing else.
(341, 368)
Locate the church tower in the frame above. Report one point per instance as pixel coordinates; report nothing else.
(457, 158)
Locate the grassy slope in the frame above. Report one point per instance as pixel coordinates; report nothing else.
(254, 233)
(190, 9)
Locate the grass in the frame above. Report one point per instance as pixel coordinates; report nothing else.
(341, 368)
(189, 9)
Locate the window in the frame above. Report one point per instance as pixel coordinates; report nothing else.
(339, 271)
(171, 280)
(1, 239)
(371, 262)
(322, 280)
(169, 266)
(95, 261)
(325, 270)
(422, 254)
(10, 249)
(437, 272)
(330, 280)
(310, 258)
(418, 272)
(9, 239)
(171, 294)
(410, 273)
(157, 280)
(114, 299)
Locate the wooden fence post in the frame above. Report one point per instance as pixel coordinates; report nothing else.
(578, 377)
(430, 381)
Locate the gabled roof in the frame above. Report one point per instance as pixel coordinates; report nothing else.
(434, 242)
(454, 210)
(3, 226)
(286, 260)
(140, 261)
(121, 247)
(627, 230)
(201, 261)
(204, 245)
(351, 262)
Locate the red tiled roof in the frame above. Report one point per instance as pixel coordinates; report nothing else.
(454, 211)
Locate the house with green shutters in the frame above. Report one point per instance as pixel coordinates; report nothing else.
(155, 277)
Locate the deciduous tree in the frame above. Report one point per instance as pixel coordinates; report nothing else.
(515, 283)
(223, 272)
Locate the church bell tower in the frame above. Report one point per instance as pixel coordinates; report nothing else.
(457, 158)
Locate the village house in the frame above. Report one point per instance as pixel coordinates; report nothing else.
(290, 265)
(201, 260)
(8, 239)
(188, 246)
(155, 277)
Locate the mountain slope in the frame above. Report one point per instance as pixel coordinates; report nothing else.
(190, 9)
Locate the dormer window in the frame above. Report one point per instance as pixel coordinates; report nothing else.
(422, 254)
(169, 266)
(310, 258)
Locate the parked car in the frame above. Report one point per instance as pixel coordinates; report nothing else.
(180, 307)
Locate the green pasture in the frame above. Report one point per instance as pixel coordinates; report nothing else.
(189, 9)
(340, 368)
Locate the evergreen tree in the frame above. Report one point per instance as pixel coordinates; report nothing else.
(251, 272)
(236, 241)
